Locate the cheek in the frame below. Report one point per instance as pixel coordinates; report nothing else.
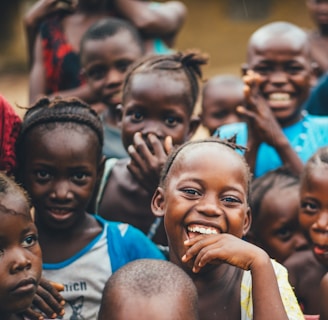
(306, 221)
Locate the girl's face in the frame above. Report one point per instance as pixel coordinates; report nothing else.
(277, 228)
(285, 75)
(105, 63)
(319, 11)
(313, 213)
(60, 172)
(20, 256)
(156, 104)
(205, 193)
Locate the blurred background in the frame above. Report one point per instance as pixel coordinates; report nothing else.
(220, 28)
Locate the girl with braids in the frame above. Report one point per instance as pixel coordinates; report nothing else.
(20, 253)
(60, 161)
(307, 270)
(203, 196)
(159, 96)
(275, 227)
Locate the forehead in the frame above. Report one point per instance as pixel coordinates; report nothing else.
(223, 91)
(315, 179)
(121, 45)
(16, 202)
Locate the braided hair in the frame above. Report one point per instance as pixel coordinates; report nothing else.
(181, 64)
(47, 114)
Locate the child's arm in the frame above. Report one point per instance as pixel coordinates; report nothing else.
(36, 14)
(47, 300)
(146, 164)
(263, 127)
(267, 302)
(163, 20)
(324, 298)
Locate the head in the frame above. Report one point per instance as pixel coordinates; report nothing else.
(60, 160)
(204, 189)
(159, 97)
(275, 226)
(318, 10)
(107, 49)
(221, 95)
(20, 253)
(313, 214)
(141, 288)
(279, 53)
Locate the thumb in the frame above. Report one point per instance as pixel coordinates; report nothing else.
(245, 112)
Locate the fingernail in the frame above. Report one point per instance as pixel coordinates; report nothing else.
(62, 312)
(184, 258)
(130, 148)
(53, 316)
(62, 302)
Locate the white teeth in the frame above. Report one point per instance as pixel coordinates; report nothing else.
(279, 96)
(203, 230)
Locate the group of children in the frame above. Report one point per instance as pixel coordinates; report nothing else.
(226, 211)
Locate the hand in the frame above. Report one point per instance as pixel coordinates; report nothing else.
(262, 124)
(147, 159)
(215, 249)
(47, 300)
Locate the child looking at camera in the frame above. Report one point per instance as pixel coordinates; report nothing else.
(79, 250)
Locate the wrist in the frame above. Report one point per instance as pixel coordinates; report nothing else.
(260, 262)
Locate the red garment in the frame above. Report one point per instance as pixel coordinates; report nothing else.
(10, 125)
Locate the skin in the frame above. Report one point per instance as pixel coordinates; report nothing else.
(201, 191)
(219, 104)
(279, 66)
(324, 297)
(277, 229)
(60, 176)
(105, 63)
(20, 256)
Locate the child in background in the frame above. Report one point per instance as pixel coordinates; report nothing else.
(159, 96)
(149, 289)
(222, 94)
(204, 198)
(79, 250)
(307, 271)
(10, 124)
(108, 48)
(275, 227)
(20, 253)
(277, 132)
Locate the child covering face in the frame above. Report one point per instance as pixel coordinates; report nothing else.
(204, 198)
(20, 253)
(279, 78)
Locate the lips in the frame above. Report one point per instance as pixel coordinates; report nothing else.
(279, 99)
(25, 286)
(320, 250)
(194, 230)
(60, 214)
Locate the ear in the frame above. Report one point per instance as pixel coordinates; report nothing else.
(157, 202)
(193, 126)
(118, 115)
(248, 221)
(316, 73)
(244, 68)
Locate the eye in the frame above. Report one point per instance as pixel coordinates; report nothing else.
(191, 192)
(2, 252)
(96, 72)
(171, 121)
(309, 207)
(230, 199)
(284, 233)
(137, 116)
(294, 69)
(42, 175)
(262, 69)
(122, 66)
(29, 241)
(79, 177)
(220, 115)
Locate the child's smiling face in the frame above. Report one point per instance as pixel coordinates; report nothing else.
(313, 214)
(20, 256)
(205, 192)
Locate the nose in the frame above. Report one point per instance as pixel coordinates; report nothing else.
(154, 127)
(321, 224)
(114, 77)
(61, 191)
(209, 206)
(20, 260)
(278, 77)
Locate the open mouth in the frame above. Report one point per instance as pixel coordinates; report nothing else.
(60, 213)
(194, 230)
(279, 99)
(320, 250)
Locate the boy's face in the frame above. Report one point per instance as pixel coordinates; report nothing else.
(20, 257)
(277, 228)
(155, 104)
(105, 63)
(319, 11)
(219, 105)
(205, 193)
(313, 214)
(285, 72)
(60, 174)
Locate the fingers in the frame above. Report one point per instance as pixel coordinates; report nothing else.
(57, 286)
(168, 144)
(33, 315)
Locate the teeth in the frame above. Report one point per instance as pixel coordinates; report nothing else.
(203, 230)
(279, 96)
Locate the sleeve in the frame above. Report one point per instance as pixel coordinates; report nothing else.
(287, 294)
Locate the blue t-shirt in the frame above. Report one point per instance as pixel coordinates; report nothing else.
(306, 137)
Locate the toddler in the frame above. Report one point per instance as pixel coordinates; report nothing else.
(60, 162)
(277, 131)
(204, 198)
(149, 289)
(20, 253)
(159, 96)
(275, 226)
